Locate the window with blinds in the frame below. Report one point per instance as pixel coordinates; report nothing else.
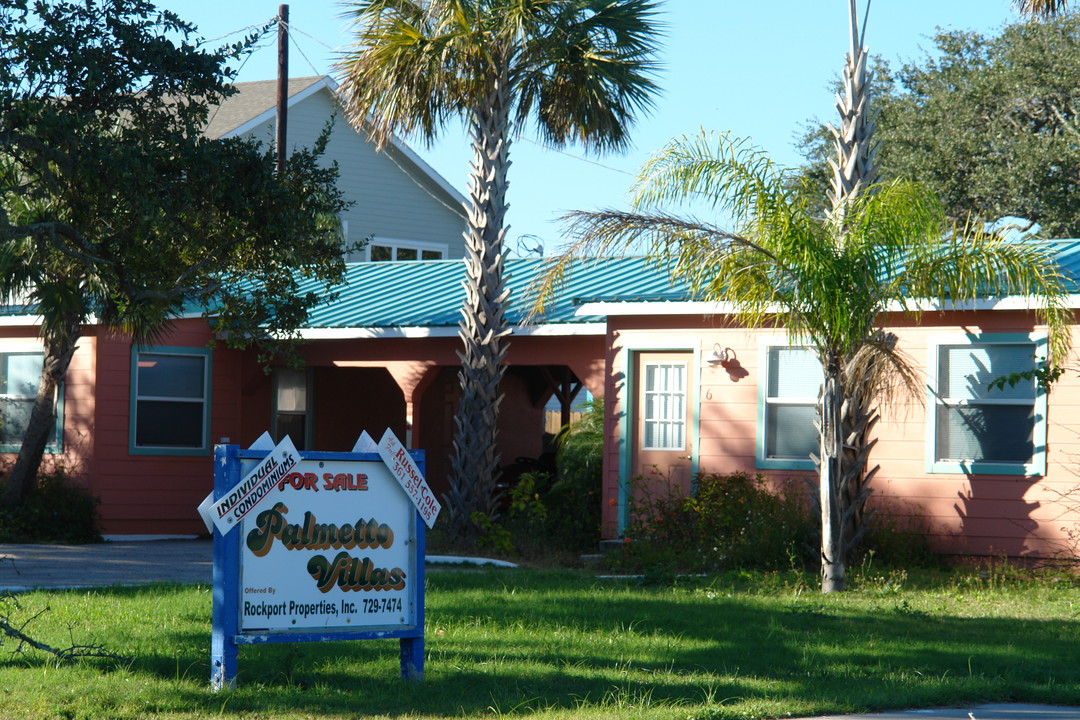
(788, 396)
(170, 401)
(976, 429)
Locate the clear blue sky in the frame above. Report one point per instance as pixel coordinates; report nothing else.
(756, 69)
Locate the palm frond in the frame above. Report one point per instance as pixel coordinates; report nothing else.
(1041, 8)
(396, 77)
(584, 70)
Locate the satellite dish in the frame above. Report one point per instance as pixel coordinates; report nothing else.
(530, 245)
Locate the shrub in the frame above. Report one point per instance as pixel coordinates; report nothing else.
(549, 513)
(895, 544)
(53, 511)
(732, 521)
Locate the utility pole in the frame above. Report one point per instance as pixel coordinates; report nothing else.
(282, 84)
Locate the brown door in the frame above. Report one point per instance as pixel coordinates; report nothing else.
(662, 412)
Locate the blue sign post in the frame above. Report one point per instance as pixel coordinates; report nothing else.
(327, 546)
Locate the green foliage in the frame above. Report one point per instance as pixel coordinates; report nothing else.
(493, 536)
(54, 511)
(114, 207)
(892, 544)
(577, 69)
(1044, 375)
(549, 514)
(988, 123)
(732, 521)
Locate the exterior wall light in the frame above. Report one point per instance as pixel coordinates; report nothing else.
(720, 356)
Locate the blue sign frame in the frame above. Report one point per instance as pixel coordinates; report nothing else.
(226, 636)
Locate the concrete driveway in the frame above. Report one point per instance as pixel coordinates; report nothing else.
(23, 567)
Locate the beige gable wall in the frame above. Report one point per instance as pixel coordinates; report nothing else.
(389, 203)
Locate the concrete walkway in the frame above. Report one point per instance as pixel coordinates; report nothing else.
(1010, 711)
(23, 567)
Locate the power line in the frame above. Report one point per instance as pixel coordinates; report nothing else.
(574, 157)
(264, 27)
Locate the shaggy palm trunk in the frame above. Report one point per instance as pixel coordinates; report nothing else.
(474, 470)
(58, 354)
(846, 413)
(858, 418)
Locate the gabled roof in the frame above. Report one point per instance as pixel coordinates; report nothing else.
(424, 298)
(255, 103)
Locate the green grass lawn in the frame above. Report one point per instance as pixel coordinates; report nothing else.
(568, 645)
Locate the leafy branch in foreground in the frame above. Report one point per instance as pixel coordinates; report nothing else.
(1044, 374)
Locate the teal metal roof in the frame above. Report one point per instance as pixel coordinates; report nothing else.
(431, 293)
(1067, 255)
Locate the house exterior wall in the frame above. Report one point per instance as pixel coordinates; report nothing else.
(368, 384)
(421, 407)
(1014, 515)
(78, 400)
(154, 493)
(391, 198)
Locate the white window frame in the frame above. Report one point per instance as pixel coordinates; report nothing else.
(206, 355)
(395, 245)
(676, 421)
(765, 401)
(55, 444)
(1037, 465)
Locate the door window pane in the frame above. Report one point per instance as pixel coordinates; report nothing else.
(292, 396)
(664, 424)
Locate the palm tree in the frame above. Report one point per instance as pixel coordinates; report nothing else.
(578, 69)
(1041, 8)
(829, 285)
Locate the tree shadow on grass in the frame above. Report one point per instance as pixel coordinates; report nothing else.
(538, 644)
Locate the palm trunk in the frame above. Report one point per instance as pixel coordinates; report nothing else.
(58, 354)
(830, 487)
(474, 465)
(845, 441)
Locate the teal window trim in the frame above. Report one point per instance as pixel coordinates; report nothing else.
(55, 446)
(762, 460)
(1037, 466)
(628, 401)
(207, 355)
(626, 448)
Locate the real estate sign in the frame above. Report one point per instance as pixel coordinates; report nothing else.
(332, 549)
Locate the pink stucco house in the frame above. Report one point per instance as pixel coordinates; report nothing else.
(982, 472)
